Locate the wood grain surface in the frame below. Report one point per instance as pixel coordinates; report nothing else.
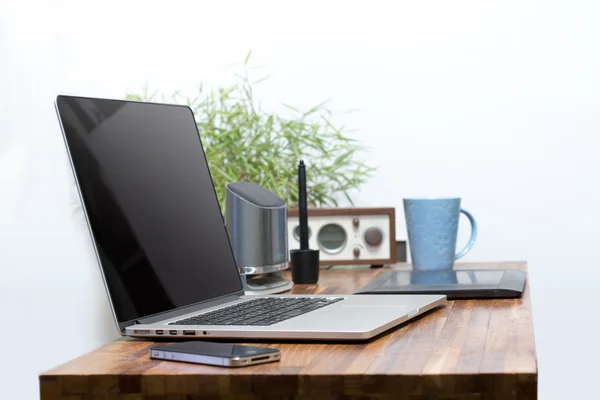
(468, 349)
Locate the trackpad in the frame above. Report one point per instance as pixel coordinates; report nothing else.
(350, 317)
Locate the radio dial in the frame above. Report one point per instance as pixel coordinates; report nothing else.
(355, 222)
(373, 236)
(356, 252)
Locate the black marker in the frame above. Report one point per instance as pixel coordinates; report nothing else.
(302, 206)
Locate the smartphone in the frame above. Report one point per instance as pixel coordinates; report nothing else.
(214, 353)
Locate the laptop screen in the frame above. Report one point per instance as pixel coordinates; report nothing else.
(151, 204)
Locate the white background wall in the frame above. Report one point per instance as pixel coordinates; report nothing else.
(493, 101)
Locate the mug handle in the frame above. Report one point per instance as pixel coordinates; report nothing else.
(471, 242)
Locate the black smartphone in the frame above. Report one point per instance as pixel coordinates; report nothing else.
(214, 353)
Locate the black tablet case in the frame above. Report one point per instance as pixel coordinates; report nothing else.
(455, 284)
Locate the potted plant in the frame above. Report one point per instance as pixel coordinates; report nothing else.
(244, 143)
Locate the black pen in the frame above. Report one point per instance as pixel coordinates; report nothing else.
(304, 261)
(302, 206)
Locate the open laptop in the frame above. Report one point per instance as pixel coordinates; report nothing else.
(161, 242)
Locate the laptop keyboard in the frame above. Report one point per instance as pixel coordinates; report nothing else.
(260, 311)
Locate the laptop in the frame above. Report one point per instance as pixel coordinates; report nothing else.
(160, 239)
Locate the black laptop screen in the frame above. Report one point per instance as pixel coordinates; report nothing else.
(150, 202)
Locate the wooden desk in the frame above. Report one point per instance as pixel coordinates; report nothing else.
(466, 350)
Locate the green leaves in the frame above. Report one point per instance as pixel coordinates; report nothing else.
(247, 57)
(245, 143)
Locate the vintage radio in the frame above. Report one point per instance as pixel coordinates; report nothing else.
(348, 236)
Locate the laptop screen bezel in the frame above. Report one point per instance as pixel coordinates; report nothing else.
(121, 325)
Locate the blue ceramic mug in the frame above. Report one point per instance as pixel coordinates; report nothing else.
(432, 227)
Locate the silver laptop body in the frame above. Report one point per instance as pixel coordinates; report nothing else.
(161, 243)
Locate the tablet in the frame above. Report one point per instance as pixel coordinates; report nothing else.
(455, 284)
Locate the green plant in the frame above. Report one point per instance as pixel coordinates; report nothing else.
(244, 143)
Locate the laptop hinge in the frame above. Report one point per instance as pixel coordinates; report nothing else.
(189, 309)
